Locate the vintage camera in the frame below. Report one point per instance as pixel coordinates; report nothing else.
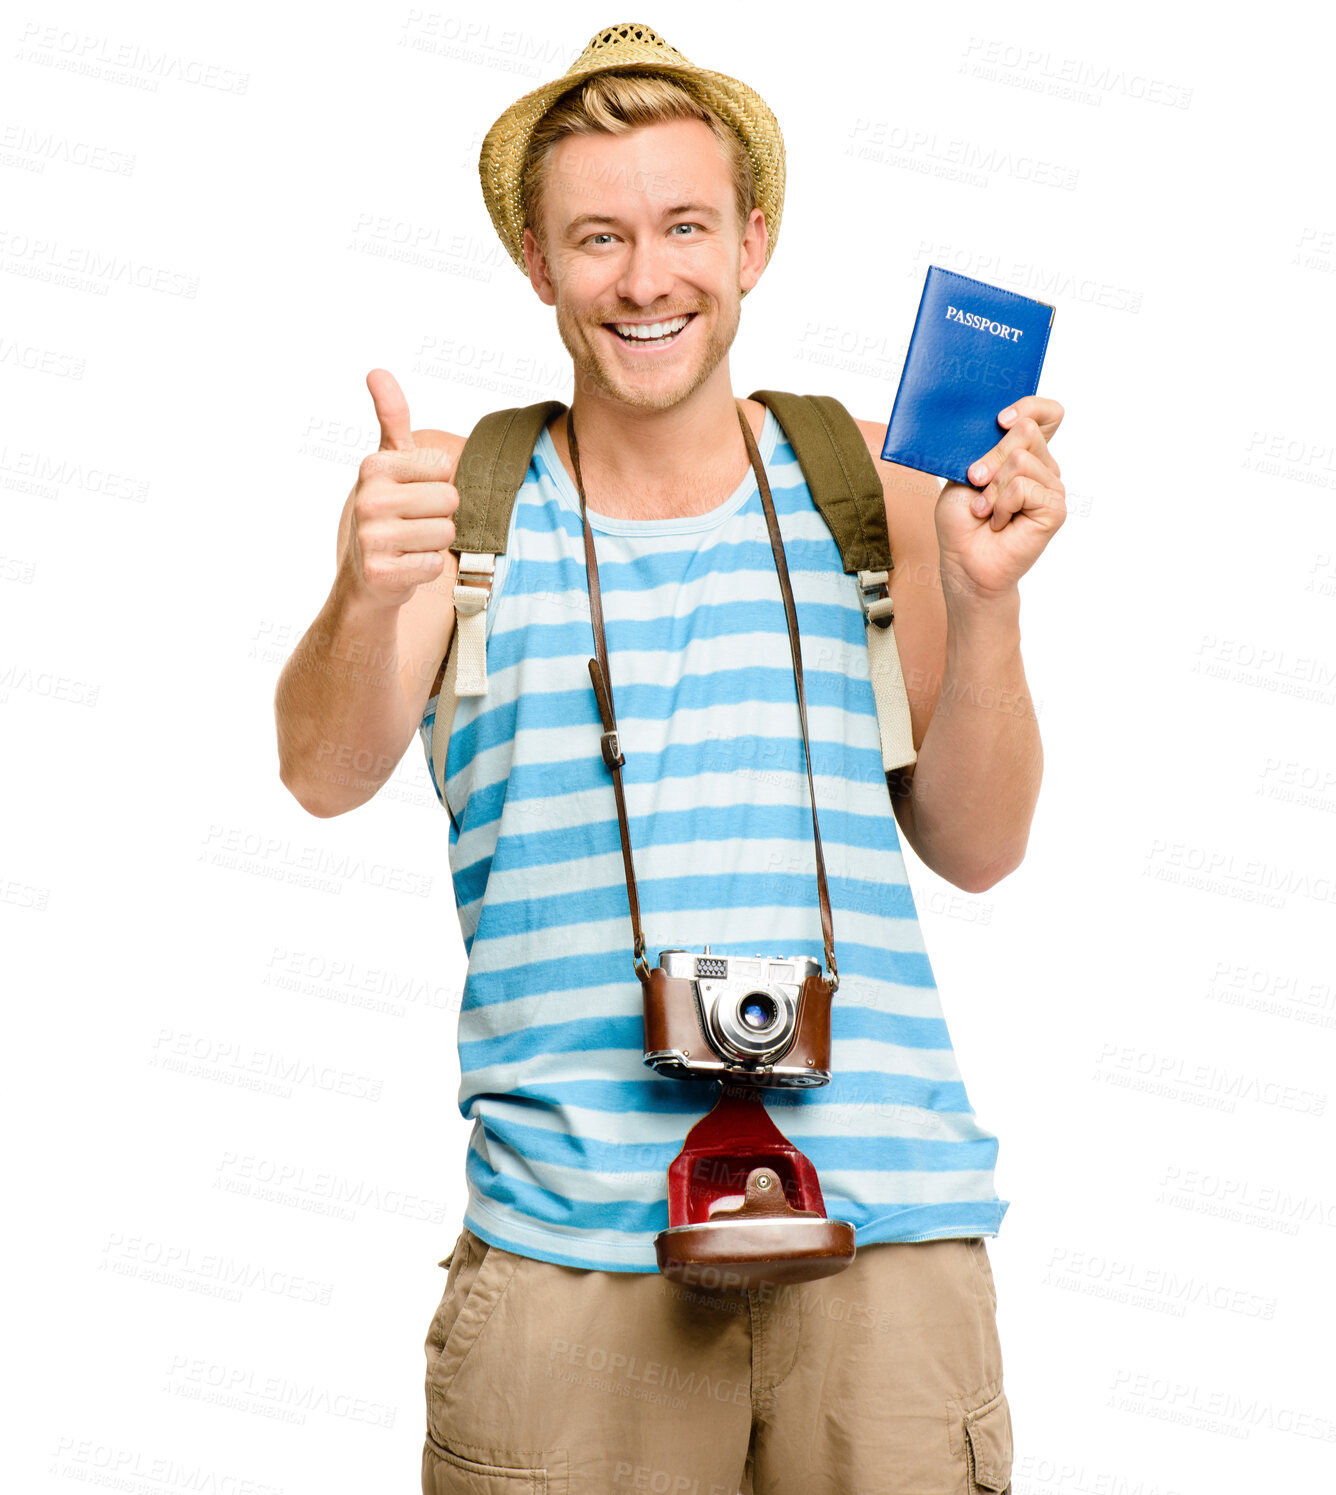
(762, 1019)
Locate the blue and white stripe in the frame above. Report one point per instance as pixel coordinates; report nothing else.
(572, 1133)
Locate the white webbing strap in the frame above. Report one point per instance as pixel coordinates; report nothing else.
(466, 668)
(888, 681)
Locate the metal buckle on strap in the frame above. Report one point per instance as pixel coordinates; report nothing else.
(640, 962)
(470, 600)
(473, 581)
(612, 753)
(874, 594)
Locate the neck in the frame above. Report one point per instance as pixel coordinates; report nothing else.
(681, 450)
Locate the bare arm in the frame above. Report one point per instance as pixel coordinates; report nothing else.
(973, 792)
(967, 803)
(351, 696)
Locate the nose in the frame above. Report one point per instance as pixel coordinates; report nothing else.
(647, 274)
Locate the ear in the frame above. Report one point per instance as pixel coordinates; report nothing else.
(535, 262)
(751, 259)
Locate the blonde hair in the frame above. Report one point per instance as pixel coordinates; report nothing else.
(615, 103)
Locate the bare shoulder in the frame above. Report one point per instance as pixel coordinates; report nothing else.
(910, 494)
(755, 413)
(444, 440)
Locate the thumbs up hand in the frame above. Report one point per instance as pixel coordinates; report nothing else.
(402, 503)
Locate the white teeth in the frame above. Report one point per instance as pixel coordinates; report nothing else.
(645, 331)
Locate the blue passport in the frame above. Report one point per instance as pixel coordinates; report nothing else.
(975, 349)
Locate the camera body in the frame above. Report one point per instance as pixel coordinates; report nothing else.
(763, 1020)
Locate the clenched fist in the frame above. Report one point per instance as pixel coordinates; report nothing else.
(401, 526)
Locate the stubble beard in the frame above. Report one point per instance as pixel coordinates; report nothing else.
(594, 369)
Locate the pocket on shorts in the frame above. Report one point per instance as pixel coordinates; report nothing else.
(441, 1319)
(988, 1445)
(478, 1278)
(447, 1473)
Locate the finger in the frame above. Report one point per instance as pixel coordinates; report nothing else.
(1025, 435)
(420, 465)
(1027, 485)
(1023, 459)
(396, 432)
(426, 501)
(1047, 414)
(425, 536)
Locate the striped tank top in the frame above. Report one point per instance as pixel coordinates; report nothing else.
(572, 1132)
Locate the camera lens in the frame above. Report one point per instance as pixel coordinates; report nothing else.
(757, 1009)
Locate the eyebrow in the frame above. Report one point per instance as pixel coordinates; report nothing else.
(587, 220)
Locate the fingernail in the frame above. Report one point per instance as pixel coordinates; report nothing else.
(978, 472)
(979, 505)
(1008, 414)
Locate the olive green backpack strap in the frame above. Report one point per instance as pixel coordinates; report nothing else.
(488, 475)
(846, 488)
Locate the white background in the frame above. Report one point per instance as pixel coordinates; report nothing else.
(214, 224)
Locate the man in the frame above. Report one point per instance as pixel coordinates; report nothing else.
(642, 197)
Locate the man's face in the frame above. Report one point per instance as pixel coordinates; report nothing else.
(642, 229)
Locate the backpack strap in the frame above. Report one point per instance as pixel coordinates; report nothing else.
(488, 475)
(846, 487)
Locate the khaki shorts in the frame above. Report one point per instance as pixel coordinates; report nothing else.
(551, 1380)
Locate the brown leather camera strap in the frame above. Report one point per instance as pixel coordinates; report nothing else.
(602, 680)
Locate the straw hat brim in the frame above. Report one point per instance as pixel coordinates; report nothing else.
(630, 47)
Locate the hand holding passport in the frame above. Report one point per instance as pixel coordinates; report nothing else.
(976, 349)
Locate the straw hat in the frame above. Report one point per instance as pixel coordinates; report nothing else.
(630, 46)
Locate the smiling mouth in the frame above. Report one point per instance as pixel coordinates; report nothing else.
(650, 334)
